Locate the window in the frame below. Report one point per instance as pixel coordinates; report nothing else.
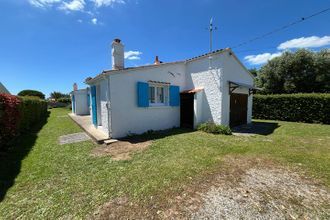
(152, 97)
(158, 94)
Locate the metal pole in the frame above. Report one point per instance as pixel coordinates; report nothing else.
(211, 29)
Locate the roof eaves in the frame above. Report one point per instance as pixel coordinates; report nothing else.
(207, 54)
(140, 67)
(108, 72)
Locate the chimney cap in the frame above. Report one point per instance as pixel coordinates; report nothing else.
(117, 40)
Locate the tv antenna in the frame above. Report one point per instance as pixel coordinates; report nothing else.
(211, 28)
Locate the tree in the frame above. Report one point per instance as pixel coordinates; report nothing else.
(253, 71)
(29, 92)
(57, 95)
(303, 71)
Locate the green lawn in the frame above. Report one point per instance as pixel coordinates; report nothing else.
(52, 180)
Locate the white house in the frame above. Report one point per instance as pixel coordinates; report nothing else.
(80, 100)
(211, 87)
(3, 89)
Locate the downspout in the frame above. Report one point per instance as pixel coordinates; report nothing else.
(109, 108)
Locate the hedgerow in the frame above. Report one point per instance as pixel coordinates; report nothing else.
(18, 114)
(311, 108)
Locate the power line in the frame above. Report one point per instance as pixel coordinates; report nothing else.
(281, 28)
(253, 50)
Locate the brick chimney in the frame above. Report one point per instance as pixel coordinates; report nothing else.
(75, 87)
(117, 54)
(156, 60)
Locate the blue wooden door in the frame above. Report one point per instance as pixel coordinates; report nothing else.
(73, 104)
(94, 106)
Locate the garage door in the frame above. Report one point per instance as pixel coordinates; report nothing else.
(238, 109)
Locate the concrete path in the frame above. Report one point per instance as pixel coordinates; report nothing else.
(73, 138)
(85, 122)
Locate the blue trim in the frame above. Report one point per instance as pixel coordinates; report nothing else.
(94, 105)
(73, 104)
(88, 100)
(174, 95)
(143, 94)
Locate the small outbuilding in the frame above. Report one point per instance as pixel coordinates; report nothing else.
(80, 100)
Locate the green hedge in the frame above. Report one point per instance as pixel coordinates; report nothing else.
(19, 114)
(32, 110)
(311, 108)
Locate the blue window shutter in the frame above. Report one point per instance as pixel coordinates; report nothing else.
(94, 105)
(143, 94)
(174, 95)
(88, 100)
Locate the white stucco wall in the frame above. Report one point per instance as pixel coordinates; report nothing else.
(104, 109)
(198, 108)
(126, 116)
(81, 105)
(101, 101)
(200, 75)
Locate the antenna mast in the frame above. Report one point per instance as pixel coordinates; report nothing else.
(211, 29)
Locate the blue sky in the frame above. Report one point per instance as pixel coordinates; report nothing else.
(50, 44)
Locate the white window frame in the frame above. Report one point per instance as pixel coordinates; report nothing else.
(166, 94)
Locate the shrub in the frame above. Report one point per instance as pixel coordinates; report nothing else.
(311, 108)
(64, 100)
(213, 128)
(32, 111)
(18, 114)
(9, 118)
(28, 92)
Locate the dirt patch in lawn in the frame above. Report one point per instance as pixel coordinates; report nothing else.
(240, 189)
(122, 149)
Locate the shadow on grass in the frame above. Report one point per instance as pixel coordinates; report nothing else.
(10, 161)
(262, 128)
(154, 135)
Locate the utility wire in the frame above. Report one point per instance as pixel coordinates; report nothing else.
(253, 50)
(281, 28)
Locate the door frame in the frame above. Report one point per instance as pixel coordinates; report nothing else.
(94, 105)
(241, 112)
(73, 103)
(184, 99)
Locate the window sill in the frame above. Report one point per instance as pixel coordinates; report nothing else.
(159, 106)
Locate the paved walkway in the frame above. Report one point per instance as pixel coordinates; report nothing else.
(73, 138)
(85, 122)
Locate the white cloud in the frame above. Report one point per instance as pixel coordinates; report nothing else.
(80, 21)
(94, 21)
(305, 42)
(74, 5)
(99, 3)
(261, 58)
(132, 55)
(43, 3)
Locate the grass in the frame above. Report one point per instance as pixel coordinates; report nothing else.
(64, 181)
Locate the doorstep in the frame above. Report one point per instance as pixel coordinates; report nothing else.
(85, 122)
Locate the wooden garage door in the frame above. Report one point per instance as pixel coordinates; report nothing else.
(238, 109)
